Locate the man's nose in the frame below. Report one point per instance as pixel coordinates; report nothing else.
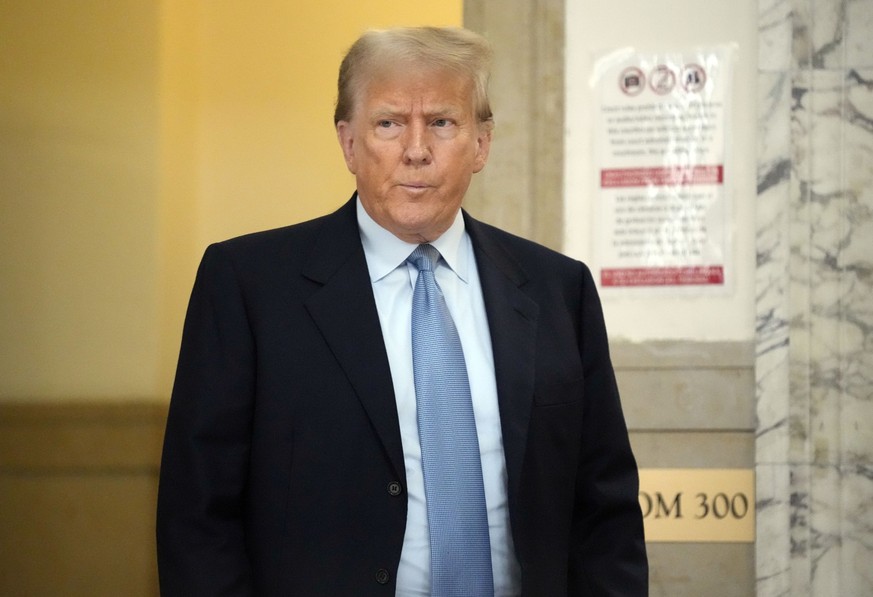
(417, 145)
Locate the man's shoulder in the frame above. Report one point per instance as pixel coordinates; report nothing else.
(259, 257)
(528, 254)
(264, 240)
(297, 238)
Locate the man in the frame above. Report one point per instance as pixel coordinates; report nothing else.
(397, 398)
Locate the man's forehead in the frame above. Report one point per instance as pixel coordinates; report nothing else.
(402, 84)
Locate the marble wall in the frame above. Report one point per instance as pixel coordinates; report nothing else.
(814, 357)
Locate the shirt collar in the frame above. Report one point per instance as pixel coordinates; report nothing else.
(385, 252)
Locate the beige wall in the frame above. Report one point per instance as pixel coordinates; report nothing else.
(78, 186)
(132, 134)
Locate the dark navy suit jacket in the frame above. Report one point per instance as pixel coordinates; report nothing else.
(283, 471)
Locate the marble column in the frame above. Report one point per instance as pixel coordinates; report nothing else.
(814, 363)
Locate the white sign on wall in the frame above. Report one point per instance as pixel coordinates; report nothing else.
(662, 213)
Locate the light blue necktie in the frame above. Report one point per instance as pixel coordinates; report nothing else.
(456, 514)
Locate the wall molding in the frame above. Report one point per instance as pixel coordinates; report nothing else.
(40, 436)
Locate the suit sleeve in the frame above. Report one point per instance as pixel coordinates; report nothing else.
(608, 556)
(200, 531)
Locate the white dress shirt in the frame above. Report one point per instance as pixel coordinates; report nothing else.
(393, 282)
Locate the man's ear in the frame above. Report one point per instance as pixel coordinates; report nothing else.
(347, 143)
(483, 147)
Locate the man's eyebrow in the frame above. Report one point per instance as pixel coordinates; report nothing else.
(446, 109)
(388, 111)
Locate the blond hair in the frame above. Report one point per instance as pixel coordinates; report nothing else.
(443, 48)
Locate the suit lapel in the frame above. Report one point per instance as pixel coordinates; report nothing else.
(345, 312)
(512, 319)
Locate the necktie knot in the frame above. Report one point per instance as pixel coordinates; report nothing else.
(424, 258)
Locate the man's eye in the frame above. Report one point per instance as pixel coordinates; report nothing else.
(384, 124)
(441, 122)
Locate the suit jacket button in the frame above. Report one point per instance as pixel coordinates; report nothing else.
(382, 576)
(395, 488)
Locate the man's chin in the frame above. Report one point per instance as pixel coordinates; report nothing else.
(419, 230)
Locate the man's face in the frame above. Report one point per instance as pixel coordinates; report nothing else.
(413, 143)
